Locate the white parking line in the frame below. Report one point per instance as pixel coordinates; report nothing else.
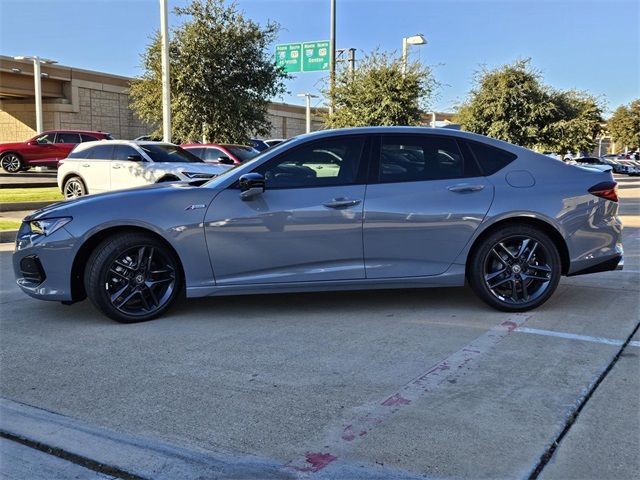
(573, 336)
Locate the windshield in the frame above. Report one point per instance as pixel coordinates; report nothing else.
(169, 153)
(243, 153)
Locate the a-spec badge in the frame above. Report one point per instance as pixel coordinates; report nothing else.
(195, 207)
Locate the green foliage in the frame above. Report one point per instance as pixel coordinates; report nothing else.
(624, 125)
(222, 75)
(378, 93)
(512, 103)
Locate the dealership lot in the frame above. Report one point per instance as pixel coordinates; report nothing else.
(354, 384)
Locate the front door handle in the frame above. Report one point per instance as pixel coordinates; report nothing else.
(86, 164)
(117, 165)
(341, 203)
(465, 188)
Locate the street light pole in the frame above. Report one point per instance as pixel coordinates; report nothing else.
(332, 54)
(37, 86)
(166, 83)
(308, 96)
(406, 41)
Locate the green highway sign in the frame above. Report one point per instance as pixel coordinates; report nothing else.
(303, 57)
(288, 56)
(315, 56)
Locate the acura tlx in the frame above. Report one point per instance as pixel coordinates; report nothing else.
(361, 208)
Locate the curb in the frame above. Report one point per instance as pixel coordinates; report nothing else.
(17, 206)
(8, 236)
(29, 185)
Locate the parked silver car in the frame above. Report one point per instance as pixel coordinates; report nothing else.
(362, 208)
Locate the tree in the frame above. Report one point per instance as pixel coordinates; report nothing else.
(512, 103)
(624, 125)
(378, 93)
(222, 75)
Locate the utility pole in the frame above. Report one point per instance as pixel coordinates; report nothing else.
(308, 96)
(332, 54)
(166, 82)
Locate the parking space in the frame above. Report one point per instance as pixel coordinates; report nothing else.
(409, 382)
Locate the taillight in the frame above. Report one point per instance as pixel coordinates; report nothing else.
(606, 190)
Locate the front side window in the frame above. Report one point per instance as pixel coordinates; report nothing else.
(328, 162)
(169, 153)
(409, 158)
(88, 138)
(243, 153)
(65, 137)
(213, 154)
(46, 138)
(196, 151)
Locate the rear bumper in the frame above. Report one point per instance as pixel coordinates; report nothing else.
(613, 263)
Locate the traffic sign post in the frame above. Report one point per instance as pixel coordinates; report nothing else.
(289, 56)
(303, 57)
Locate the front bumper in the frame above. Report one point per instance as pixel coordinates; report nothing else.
(42, 266)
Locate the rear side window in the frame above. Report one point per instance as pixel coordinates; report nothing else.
(411, 158)
(196, 151)
(66, 137)
(101, 152)
(491, 159)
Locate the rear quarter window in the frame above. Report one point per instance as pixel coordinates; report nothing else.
(490, 159)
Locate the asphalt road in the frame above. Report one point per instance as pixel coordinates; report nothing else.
(355, 384)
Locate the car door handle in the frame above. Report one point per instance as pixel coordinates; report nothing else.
(117, 165)
(341, 203)
(86, 164)
(465, 188)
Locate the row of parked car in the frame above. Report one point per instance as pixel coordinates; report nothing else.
(87, 164)
(623, 163)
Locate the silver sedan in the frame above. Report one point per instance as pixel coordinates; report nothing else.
(362, 208)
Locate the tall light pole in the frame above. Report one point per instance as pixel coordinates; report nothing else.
(166, 83)
(37, 82)
(406, 41)
(332, 54)
(308, 96)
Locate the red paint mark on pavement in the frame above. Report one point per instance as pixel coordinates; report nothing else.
(317, 460)
(511, 326)
(394, 400)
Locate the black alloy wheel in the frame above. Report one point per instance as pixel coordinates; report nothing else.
(133, 277)
(515, 269)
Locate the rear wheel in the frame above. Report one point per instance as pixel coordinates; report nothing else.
(11, 162)
(516, 268)
(74, 188)
(132, 277)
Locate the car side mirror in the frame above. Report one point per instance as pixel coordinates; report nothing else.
(225, 160)
(134, 158)
(251, 184)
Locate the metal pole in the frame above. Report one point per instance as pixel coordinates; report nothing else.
(308, 97)
(166, 92)
(332, 54)
(37, 82)
(404, 56)
(352, 62)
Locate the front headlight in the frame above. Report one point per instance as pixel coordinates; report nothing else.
(45, 226)
(198, 175)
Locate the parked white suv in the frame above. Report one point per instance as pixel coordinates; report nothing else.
(95, 167)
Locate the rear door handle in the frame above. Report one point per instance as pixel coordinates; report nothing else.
(341, 203)
(86, 164)
(117, 165)
(465, 188)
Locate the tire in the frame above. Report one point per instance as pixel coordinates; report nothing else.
(11, 162)
(519, 277)
(74, 187)
(133, 277)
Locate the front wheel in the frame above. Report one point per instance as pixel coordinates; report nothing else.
(516, 268)
(133, 277)
(11, 162)
(74, 188)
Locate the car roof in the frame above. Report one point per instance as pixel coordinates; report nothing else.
(65, 130)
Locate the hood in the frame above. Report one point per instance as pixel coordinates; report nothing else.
(10, 145)
(66, 207)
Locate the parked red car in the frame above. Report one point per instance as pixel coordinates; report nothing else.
(227, 154)
(45, 149)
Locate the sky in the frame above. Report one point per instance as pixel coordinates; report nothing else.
(591, 45)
